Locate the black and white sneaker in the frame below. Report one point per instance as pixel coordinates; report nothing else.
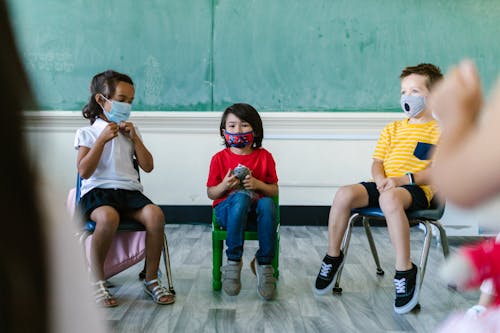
(407, 290)
(328, 274)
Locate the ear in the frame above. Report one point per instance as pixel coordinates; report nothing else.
(98, 98)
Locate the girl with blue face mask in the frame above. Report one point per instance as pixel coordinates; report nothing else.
(110, 186)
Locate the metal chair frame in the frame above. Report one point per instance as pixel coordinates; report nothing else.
(426, 217)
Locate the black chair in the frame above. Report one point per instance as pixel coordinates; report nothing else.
(425, 217)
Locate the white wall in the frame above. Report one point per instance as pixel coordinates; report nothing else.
(315, 153)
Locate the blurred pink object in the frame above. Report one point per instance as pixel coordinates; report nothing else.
(484, 259)
(127, 248)
(487, 322)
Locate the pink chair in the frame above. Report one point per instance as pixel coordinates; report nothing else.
(128, 246)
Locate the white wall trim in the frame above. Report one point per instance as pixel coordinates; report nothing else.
(278, 125)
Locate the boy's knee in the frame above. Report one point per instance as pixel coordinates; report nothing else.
(266, 206)
(390, 201)
(344, 196)
(266, 203)
(241, 201)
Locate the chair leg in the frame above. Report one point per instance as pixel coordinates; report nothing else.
(368, 231)
(166, 262)
(276, 259)
(82, 237)
(443, 237)
(344, 247)
(425, 251)
(216, 263)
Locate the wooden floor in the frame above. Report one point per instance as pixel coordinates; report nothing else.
(366, 304)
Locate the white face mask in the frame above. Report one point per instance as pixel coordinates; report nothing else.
(412, 105)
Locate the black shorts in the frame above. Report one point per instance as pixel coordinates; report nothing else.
(419, 200)
(122, 200)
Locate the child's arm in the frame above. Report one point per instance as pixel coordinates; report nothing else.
(378, 172)
(252, 183)
(144, 157)
(227, 184)
(466, 168)
(384, 183)
(88, 158)
(423, 177)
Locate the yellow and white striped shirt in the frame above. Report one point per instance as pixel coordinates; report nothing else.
(405, 147)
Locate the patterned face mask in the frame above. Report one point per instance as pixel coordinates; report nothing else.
(238, 140)
(412, 105)
(120, 111)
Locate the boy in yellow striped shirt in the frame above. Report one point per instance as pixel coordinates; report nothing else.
(401, 179)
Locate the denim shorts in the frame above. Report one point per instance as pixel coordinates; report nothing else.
(419, 200)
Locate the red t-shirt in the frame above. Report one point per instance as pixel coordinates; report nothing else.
(260, 162)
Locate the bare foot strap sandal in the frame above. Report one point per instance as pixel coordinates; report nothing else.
(159, 293)
(102, 295)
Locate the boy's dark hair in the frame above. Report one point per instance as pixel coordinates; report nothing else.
(432, 72)
(247, 113)
(103, 83)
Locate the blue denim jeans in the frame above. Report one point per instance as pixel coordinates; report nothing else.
(233, 214)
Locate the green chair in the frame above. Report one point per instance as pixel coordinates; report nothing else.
(218, 237)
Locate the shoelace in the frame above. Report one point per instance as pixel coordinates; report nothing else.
(400, 285)
(325, 269)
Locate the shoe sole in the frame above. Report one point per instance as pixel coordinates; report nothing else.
(328, 288)
(414, 300)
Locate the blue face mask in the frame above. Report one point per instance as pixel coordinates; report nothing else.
(120, 111)
(412, 105)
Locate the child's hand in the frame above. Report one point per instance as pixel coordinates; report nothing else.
(128, 129)
(109, 132)
(251, 183)
(230, 181)
(388, 183)
(457, 99)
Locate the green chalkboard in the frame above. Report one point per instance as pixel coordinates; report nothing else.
(279, 55)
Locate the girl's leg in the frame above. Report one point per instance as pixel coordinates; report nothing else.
(266, 228)
(107, 220)
(151, 216)
(232, 215)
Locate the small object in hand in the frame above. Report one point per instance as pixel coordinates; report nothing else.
(241, 172)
